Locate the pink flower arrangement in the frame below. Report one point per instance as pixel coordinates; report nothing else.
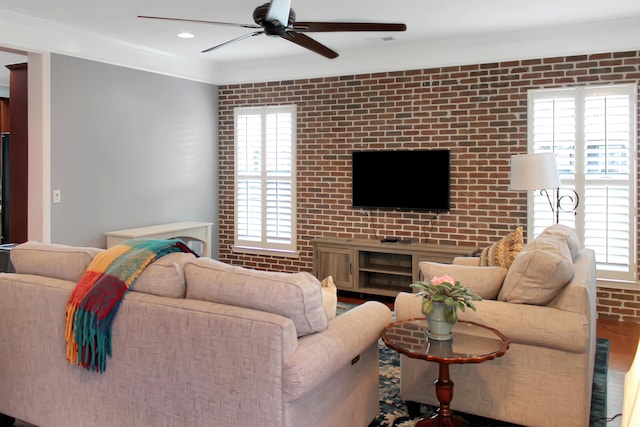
(442, 279)
(445, 290)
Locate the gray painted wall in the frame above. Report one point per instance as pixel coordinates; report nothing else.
(129, 149)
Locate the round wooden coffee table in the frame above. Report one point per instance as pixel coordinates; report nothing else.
(471, 343)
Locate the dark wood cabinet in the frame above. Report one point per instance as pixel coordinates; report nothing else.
(18, 156)
(4, 115)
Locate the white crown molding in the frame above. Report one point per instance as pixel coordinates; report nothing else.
(29, 34)
(487, 48)
(25, 33)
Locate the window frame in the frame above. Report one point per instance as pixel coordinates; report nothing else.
(579, 182)
(264, 247)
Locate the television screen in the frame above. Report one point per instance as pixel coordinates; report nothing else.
(404, 179)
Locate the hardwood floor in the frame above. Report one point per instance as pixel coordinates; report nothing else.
(623, 340)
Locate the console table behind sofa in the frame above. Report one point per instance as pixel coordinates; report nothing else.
(200, 231)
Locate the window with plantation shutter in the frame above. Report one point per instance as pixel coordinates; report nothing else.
(592, 132)
(265, 179)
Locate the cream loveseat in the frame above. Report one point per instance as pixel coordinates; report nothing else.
(545, 304)
(195, 343)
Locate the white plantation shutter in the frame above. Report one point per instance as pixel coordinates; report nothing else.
(592, 132)
(608, 162)
(265, 178)
(553, 120)
(249, 206)
(279, 212)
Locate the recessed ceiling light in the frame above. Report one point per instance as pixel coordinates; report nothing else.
(186, 35)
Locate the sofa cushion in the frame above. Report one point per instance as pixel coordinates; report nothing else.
(539, 272)
(165, 276)
(297, 296)
(52, 260)
(484, 281)
(568, 234)
(503, 252)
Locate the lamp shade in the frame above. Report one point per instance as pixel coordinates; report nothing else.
(534, 172)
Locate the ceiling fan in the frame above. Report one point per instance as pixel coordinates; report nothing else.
(279, 20)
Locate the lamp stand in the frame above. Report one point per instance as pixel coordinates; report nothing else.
(570, 201)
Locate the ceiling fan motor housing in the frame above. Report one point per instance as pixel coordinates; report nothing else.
(273, 28)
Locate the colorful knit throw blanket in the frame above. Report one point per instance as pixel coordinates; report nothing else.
(95, 300)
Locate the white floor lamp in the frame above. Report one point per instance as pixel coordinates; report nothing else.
(539, 171)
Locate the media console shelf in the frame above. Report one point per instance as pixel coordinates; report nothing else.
(374, 267)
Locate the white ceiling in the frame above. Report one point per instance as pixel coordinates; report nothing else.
(438, 32)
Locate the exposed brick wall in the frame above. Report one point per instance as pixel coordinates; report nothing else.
(618, 304)
(478, 111)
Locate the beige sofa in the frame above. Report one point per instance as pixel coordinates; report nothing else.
(545, 378)
(195, 343)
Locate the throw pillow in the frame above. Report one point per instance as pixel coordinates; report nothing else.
(329, 297)
(297, 296)
(503, 252)
(165, 276)
(52, 260)
(485, 281)
(539, 273)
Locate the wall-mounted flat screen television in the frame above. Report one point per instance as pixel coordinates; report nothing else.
(402, 179)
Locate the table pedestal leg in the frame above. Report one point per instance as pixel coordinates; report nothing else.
(444, 391)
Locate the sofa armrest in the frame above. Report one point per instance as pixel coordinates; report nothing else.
(580, 294)
(521, 323)
(319, 355)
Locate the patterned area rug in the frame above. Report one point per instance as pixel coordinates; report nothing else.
(393, 411)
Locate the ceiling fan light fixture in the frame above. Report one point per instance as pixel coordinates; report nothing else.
(276, 18)
(185, 35)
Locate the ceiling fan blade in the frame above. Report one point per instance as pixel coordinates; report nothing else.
(320, 27)
(237, 39)
(279, 11)
(309, 43)
(230, 24)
